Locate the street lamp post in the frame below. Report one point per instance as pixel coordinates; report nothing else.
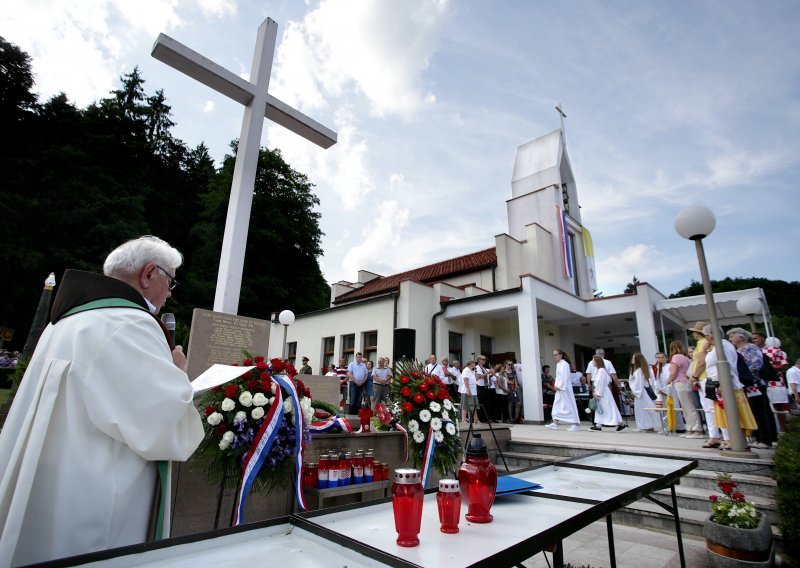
(286, 317)
(695, 223)
(749, 306)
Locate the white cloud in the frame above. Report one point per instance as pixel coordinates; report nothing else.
(647, 262)
(380, 49)
(208, 107)
(381, 234)
(217, 8)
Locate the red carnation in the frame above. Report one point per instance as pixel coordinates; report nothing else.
(266, 384)
(220, 429)
(407, 407)
(247, 362)
(278, 366)
(430, 395)
(290, 370)
(423, 387)
(252, 385)
(261, 366)
(231, 391)
(404, 380)
(209, 410)
(738, 496)
(713, 497)
(258, 358)
(264, 375)
(418, 398)
(234, 364)
(415, 375)
(442, 394)
(430, 381)
(405, 391)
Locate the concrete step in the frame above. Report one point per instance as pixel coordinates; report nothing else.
(696, 499)
(750, 484)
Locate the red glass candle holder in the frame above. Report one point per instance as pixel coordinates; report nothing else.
(407, 499)
(478, 479)
(448, 500)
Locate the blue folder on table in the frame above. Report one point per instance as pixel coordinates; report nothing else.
(508, 485)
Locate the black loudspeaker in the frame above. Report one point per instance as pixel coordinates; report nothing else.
(404, 341)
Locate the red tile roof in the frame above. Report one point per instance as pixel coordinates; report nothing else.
(425, 275)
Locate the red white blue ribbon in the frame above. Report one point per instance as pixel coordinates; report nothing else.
(330, 424)
(566, 242)
(262, 444)
(427, 456)
(288, 384)
(259, 451)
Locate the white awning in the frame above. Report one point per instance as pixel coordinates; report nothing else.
(692, 309)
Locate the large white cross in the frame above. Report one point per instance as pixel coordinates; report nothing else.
(258, 103)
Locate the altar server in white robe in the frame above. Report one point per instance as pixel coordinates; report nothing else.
(564, 407)
(646, 420)
(103, 398)
(607, 413)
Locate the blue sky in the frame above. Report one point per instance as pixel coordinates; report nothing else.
(668, 103)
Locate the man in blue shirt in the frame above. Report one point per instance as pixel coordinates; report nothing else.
(357, 375)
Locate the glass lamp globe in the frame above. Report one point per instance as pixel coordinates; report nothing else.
(286, 317)
(695, 222)
(748, 305)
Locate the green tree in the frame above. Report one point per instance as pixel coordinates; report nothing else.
(281, 269)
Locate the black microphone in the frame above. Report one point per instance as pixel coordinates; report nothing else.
(169, 322)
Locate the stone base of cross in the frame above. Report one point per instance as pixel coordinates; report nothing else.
(258, 103)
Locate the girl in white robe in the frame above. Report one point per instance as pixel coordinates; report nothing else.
(639, 378)
(564, 407)
(610, 415)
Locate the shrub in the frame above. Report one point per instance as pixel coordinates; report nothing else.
(787, 495)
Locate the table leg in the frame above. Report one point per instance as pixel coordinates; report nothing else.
(612, 556)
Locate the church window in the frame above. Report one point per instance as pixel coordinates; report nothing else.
(486, 347)
(349, 348)
(454, 351)
(328, 353)
(370, 348)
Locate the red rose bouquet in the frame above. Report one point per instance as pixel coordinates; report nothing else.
(423, 406)
(234, 414)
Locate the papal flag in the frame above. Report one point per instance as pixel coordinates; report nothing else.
(588, 248)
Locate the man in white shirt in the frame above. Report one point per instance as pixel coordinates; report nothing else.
(793, 378)
(431, 364)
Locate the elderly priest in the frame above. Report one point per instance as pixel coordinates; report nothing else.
(103, 399)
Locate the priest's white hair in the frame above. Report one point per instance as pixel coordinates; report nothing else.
(130, 257)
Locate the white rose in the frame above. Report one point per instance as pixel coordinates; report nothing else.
(225, 443)
(246, 399)
(241, 415)
(435, 406)
(413, 426)
(447, 404)
(305, 403)
(287, 406)
(419, 437)
(258, 412)
(227, 405)
(451, 429)
(425, 415)
(259, 399)
(439, 437)
(436, 424)
(215, 418)
(445, 416)
(308, 414)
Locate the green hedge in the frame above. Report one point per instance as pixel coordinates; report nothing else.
(787, 495)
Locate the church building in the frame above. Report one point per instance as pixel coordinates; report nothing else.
(529, 292)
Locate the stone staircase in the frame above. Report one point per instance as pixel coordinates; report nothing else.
(755, 478)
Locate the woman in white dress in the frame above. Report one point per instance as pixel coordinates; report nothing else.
(564, 407)
(607, 413)
(639, 380)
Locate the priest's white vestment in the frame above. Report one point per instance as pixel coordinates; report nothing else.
(564, 407)
(100, 402)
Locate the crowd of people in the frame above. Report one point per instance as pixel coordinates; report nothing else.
(8, 359)
(765, 386)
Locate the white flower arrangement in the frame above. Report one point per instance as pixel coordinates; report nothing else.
(215, 418)
(447, 404)
(258, 412)
(226, 440)
(259, 399)
(450, 428)
(439, 437)
(435, 406)
(413, 426)
(227, 405)
(419, 437)
(436, 424)
(288, 407)
(425, 415)
(240, 416)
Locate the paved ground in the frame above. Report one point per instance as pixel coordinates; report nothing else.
(635, 548)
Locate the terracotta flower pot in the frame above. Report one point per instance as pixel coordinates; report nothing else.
(729, 547)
